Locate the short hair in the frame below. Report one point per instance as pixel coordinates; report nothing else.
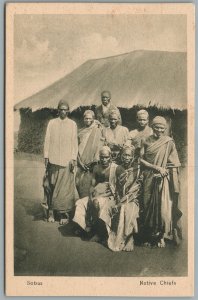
(114, 112)
(142, 112)
(105, 148)
(107, 92)
(89, 112)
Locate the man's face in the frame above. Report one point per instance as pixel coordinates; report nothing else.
(113, 121)
(105, 158)
(158, 130)
(63, 111)
(127, 156)
(105, 98)
(88, 120)
(142, 121)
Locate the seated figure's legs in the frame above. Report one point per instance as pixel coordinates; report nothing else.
(80, 212)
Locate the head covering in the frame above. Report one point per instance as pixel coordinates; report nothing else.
(159, 120)
(142, 112)
(105, 148)
(63, 102)
(89, 112)
(130, 148)
(114, 113)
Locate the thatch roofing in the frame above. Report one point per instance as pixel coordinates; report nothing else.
(136, 78)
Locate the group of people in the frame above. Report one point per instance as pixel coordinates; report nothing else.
(117, 187)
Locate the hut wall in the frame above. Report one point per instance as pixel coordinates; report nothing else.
(33, 126)
(32, 130)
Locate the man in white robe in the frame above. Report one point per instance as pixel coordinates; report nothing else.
(60, 153)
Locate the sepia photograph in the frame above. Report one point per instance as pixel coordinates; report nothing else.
(99, 149)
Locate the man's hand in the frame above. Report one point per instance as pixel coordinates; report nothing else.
(83, 166)
(46, 162)
(72, 165)
(163, 172)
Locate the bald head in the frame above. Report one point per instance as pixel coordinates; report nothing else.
(105, 150)
(142, 118)
(105, 156)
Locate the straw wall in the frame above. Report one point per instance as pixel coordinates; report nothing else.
(33, 126)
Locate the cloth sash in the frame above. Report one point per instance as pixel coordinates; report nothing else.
(112, 177)
(156, 151)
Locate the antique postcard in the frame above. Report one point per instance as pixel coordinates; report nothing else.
(99, 146)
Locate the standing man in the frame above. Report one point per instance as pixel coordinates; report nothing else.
(103, 111)
(143, 130)
(60, 153)
(90, 141)
(160, 186)
(115, 136)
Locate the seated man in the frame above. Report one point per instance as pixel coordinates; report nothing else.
(102, 194)
(115, 136)
(100, 209)
(128, 185)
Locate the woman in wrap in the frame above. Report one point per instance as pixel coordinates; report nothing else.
(160, 164)
(90, 141)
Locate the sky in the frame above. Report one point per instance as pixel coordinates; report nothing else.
(47, 47)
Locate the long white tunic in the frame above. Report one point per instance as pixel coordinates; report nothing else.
(61, 143)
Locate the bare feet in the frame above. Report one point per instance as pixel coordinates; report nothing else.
(51, 216)
(148, 245)
(129, 246)
(64, 221)
(51, 219)
(161, 244)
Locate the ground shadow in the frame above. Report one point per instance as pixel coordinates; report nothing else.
(67, 230)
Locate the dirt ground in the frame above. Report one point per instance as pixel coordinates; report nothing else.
(43, 248)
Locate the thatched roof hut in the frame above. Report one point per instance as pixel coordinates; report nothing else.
(152, 79)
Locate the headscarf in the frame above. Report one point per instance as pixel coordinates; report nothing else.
(63, 102)
(159, 120)
(142, 112)
(131, 148)
(114, 113)
(105, 148)
(89, 112)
